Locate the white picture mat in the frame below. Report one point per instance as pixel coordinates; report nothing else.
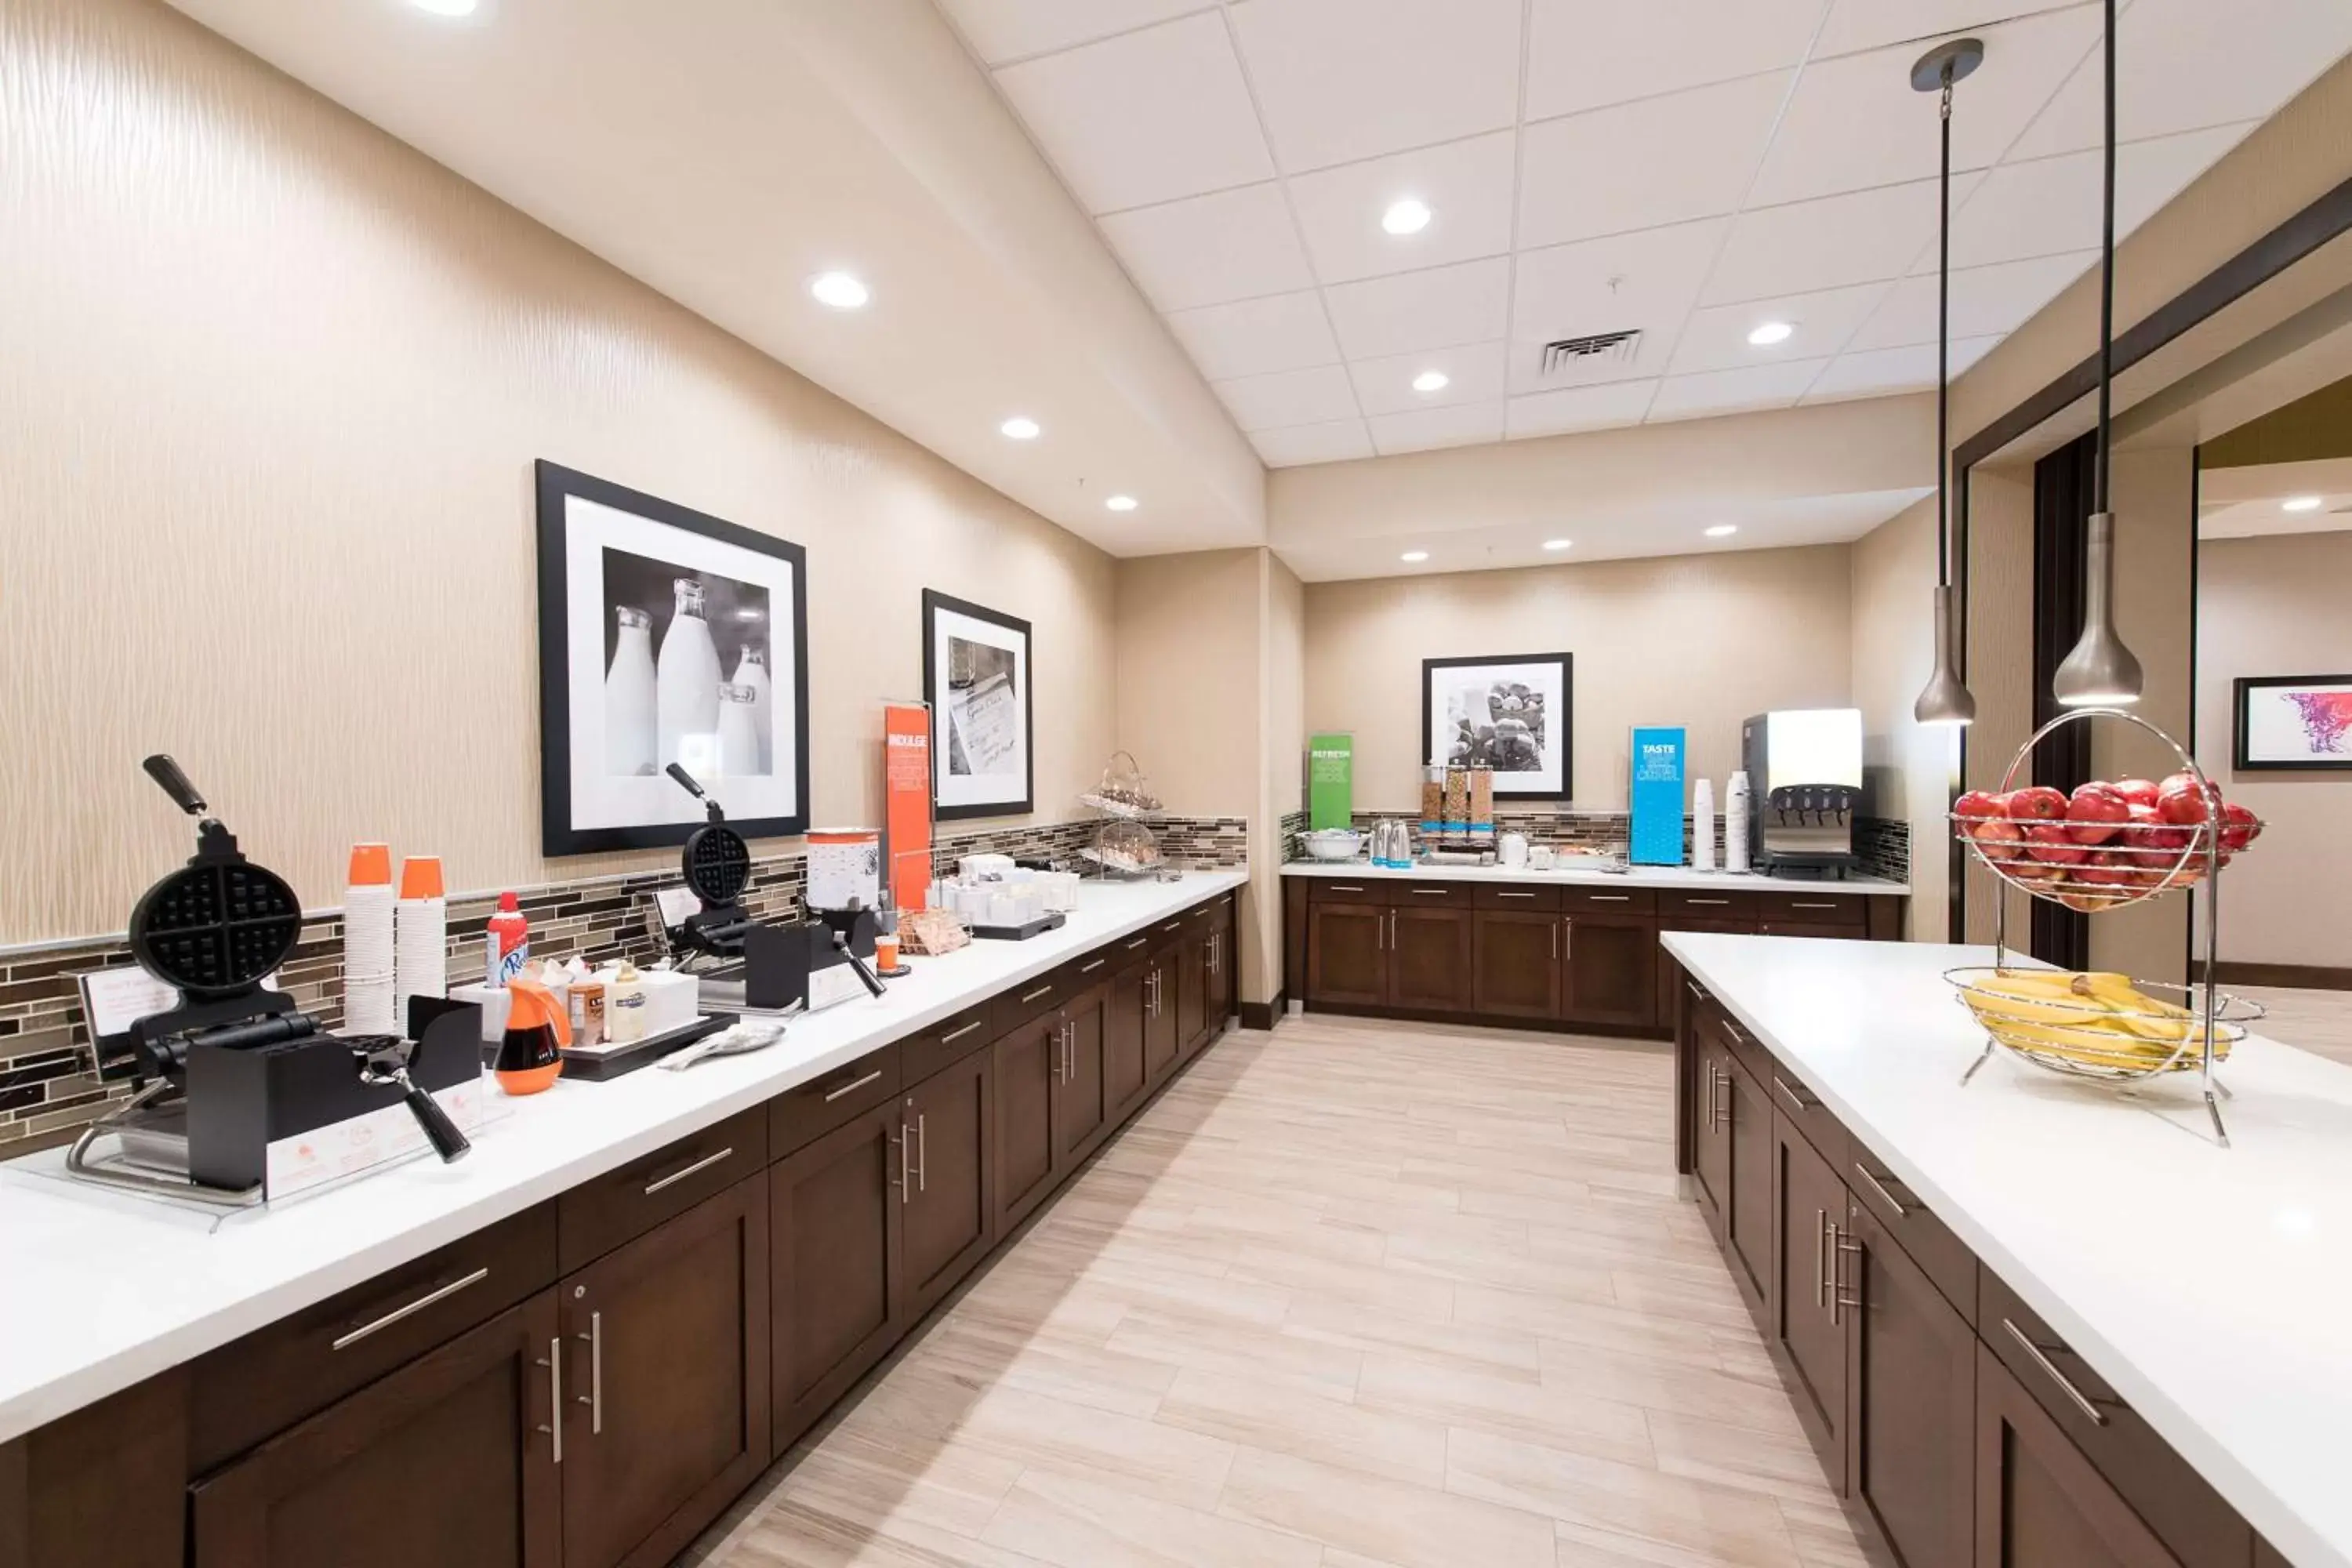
(602, 800)
(2275, 730)
(1548, 679)
(1008, 783)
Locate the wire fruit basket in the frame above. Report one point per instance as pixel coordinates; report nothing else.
(2107, 1027)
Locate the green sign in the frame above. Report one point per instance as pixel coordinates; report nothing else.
(1331, 781)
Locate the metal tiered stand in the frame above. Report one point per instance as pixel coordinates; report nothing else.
(1124, 846)
(2145, 1036)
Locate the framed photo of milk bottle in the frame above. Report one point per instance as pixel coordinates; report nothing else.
(665, 635)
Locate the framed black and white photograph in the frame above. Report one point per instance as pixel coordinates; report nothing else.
(665, 635)
(976, 679)
(2293, 722)
(1512, 714)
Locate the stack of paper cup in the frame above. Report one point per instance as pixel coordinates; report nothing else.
(368, 944)
(420, 935)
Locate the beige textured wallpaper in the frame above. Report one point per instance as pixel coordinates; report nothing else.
(270, 388)
(1909, 766)
(1703, 641)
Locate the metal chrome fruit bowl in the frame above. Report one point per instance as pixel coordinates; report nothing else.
(2100, 1026)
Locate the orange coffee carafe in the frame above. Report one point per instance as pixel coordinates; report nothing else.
(531, 1053)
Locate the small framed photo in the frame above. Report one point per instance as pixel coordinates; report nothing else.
(1514, 713)
(976, 679)
(665, 635)
(2298, 723)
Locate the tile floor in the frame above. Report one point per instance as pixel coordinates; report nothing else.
(1351, 1294)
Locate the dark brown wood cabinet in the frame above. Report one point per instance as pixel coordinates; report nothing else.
(1224, 969)
(1911, 1364)
(2039, 1502)
(1190, 958)
(1515, 964)
(1347, 955)
(1028, 1064)
(451, 1458)
(1082, 1110)
(1162, 1045)
(1610, 967)
(1748, 1217)
(1127, 1074)
(1711, 1166)
(665, 1381)
(833, 1210)
(947, 1221)
(1805, 1300)
(1429, 968)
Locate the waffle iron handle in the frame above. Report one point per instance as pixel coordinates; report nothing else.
(166, 771)
(677, 771)
(448, 1141)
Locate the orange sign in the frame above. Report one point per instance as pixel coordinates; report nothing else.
(907, 801)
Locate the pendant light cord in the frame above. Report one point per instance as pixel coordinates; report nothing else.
(2107, 281)
(1943, 351)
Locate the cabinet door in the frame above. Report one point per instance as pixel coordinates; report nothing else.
(451, 1458)
(1515, 963)
(665, 1384)
(1223, 969)
(1806, 1306)
(1161, 1041)
(1911, 1388)
(1191, 960)
(2039, 1503)
(1028, 1061)
(1347, 954)
(1081, 1105)
(1612, 974)
(833, 1212)
(1748, 1218)
(1429, 959)
(1126, 1077)
(1712, 1157)
(948, 1225)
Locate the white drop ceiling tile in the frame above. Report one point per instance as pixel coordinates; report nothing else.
(1828, 243)
(1870, 24)
(1462, 426)
(2052, 205)
(1582, 56)
(1857, 122)
(1986, 300)
(2187, 64)
(1339, 81)
(1879, 373)
(1638, 165)
(1467, 185)
(1001, 30)
(1717, 338)
(1433, 310)
(1472, 374)
(1289, 397)
(1144, 117)
(1253, 337)
(1733, 391)
(1335, 442)
(1646, 281)
(1233, 245)
(1578, 408)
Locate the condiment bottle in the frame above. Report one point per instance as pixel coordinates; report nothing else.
(531, 1052)
(508, 943)
(624, 1007)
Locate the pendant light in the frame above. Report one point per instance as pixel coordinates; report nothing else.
(1946, 699)
(2101, 672)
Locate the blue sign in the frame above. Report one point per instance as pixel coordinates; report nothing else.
(1658, 797)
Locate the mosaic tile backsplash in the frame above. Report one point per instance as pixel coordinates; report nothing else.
(48, 1084)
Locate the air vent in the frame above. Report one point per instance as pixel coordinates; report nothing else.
(1571, 353)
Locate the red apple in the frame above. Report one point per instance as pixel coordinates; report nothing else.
(1976, 805)
(2095, 813)
(2055, 842)
(2180, 800)
(2089, 903)
(2105, 869)
(2241, 827)
(2037, 802)
(2002, 841)
(2137, 791)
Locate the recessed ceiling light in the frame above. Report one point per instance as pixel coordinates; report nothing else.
(1723, 531)
(1019, 428)
(2304, 503)
(1414, 557)
(1558, 544)
(839, 289)
(449, 7)
(1771, 332)
(1407, 217)
(1120, 503)
(1430, 381)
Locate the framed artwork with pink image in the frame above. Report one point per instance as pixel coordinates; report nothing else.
(2299, 723)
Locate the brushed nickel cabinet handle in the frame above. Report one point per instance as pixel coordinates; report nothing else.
(595, 1398)
(554, 1427)
(1800, 904)
(1138, 942)
(430, 1298)
(1880, 1188)
(1791, 1095)
(906, 1141)
(1821, 1257)
(1041, 991)
(1173, 925)
(877, 1073)
(1090, 968)
(1338, 889)
(923, 1154)
(1693, 987)
(674, 1177)
(1568, 937)
(1433, 892)
(2090, 1412)
(1711, 902)
(1609, 898)
(1554, 944)
(950, 1038)
(1510, 895)
(1841, 1245)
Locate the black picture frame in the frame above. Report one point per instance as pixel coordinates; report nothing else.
(2242, 759)
(559, 833)
(943, 810)
(1563, 738)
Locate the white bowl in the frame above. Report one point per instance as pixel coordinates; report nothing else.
(1333, 843)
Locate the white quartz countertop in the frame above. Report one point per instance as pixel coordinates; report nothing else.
(100, 1290)
(2207, 1285)
(1571, 874)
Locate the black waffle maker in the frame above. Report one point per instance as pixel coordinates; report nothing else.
(716, 864)
(235, 1063)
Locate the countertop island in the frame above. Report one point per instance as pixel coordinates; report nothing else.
(2206, 1284)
